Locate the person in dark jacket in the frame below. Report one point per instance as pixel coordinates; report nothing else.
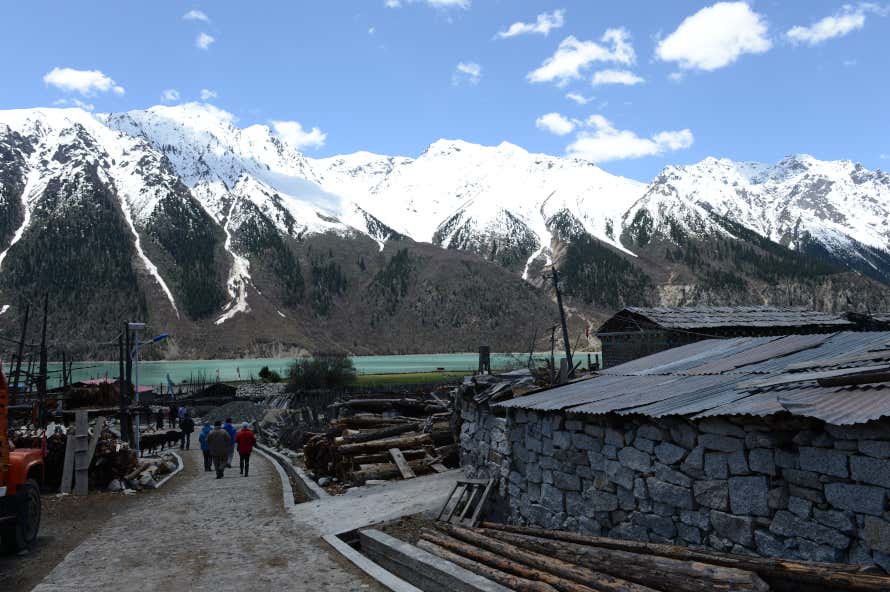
(218, 444)
(187, 425)
(245, 441)
(202, 440)
(231, 430)
(172, 416)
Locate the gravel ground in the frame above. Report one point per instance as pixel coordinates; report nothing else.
(207, 534)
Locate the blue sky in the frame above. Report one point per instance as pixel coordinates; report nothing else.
(749, 81)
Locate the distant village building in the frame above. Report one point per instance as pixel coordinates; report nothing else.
(777, 446)
(635, 332)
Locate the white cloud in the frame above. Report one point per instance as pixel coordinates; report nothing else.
(848, 19)
(204, 41)
(196, 15)
(371, 30)
(75, 102)
(555, 123)
(715, 36)
(469, 72)
(603, 142)
(86, 82)
(572, 56)
(545, 23)
(885, 157)
(170, 95)
(207, 94)
(676, 76)
(293, 133)
(578, 98)
(625, 77)
(434, 3)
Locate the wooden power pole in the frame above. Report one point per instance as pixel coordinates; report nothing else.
(562, 320)
(14, 387)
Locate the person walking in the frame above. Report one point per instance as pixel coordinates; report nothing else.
(218, 444)
(202, 440)
(245, 440)
(187, 425)
(172, 417)
(231, 430)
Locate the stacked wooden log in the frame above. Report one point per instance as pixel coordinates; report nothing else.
(539, 560)
(384, 444)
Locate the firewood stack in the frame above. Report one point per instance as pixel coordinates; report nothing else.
(387, 437)
(538, 560)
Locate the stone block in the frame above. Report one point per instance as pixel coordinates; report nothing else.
(699, 519)
(876, 430)
(848, 445)
(824, 460)
(639, 490)
(690, 534)
(716, 465)
(712, 494)
(634, 459)
(566, 481)
(813, 495)
(630, 531)
(582, 441)
(684, 435)
(716, 425)
(552, 498)
(862, 499)
(614, 437)
(760, 460)
(594, 430)
(670, 494)
(800, 507)
(738, 464)
(841, 521)
(610, 451)
(576, 505)
(644, 444)
(651, 432)
(668, 474)
(571, 457)
(875, 471)
(802, 478)
(602, 501)
(786, 460)
(596, 460)
(589, 527)
(875, 448)
(720, 443)
(739, 529)
(695, 460)
(810, 551)
(882, 560)
(764, 440)
(574, 425)
(768, 545)
(749, 496)
(534, 444)
(562, 440)
(876, 534)
(619, 475)
(787, 524)
(660, 525)
(669, 454)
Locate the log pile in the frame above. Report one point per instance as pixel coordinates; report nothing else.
(539, 560)
(146, 474)
(383, 437)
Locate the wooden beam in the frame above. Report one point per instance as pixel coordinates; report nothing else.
(404, 467)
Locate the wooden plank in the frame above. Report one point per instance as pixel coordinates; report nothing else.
(439, 467)
(403, 465)
(81, 449)
(474, 520)
(100, 425)
(68, 466)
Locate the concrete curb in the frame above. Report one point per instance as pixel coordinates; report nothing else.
(386, 578)
(287, 491)
(179, 467)
(309, 488)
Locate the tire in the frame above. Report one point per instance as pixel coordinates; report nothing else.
(24, 532)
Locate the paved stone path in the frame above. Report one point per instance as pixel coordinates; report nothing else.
(200, 533)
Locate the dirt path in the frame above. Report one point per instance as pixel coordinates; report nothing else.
(207, 534)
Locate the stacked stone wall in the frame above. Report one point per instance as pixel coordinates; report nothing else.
(778, 487)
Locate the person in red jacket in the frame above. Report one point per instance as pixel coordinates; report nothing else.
(245, 441)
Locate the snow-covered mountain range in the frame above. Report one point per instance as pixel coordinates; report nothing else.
(205, 207)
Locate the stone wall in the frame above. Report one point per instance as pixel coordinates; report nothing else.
(485, 450)
(788, 487)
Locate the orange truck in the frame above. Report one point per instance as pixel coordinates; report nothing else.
(21, 472)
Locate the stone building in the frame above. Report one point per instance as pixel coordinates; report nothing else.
(775, 446)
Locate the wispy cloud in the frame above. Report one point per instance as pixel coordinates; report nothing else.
(625, 77)
(602, 142)
(204, 41)
(574, 56)
(545, 23)
(293, 133)
(848, 19)
(715, 36)
(170, 95)
(469, 72)
(86, 82)
(555, 123)
(207, 94)
(434, 3)
(74, 102)
(196, 15)
(578, 98)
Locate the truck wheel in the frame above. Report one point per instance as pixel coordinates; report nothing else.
(24, 532)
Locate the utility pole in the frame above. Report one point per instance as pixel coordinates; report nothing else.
(562, 320)
(552, 357)
(125, 430)
(18, 360)
(41, 384)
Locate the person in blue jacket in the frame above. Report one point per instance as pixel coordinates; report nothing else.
(232, 431)
(205, 449)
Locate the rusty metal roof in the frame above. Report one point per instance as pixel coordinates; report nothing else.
(757, 376)
(705, 317)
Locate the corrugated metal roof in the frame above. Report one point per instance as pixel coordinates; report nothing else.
(743, 376)
(703, 317)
